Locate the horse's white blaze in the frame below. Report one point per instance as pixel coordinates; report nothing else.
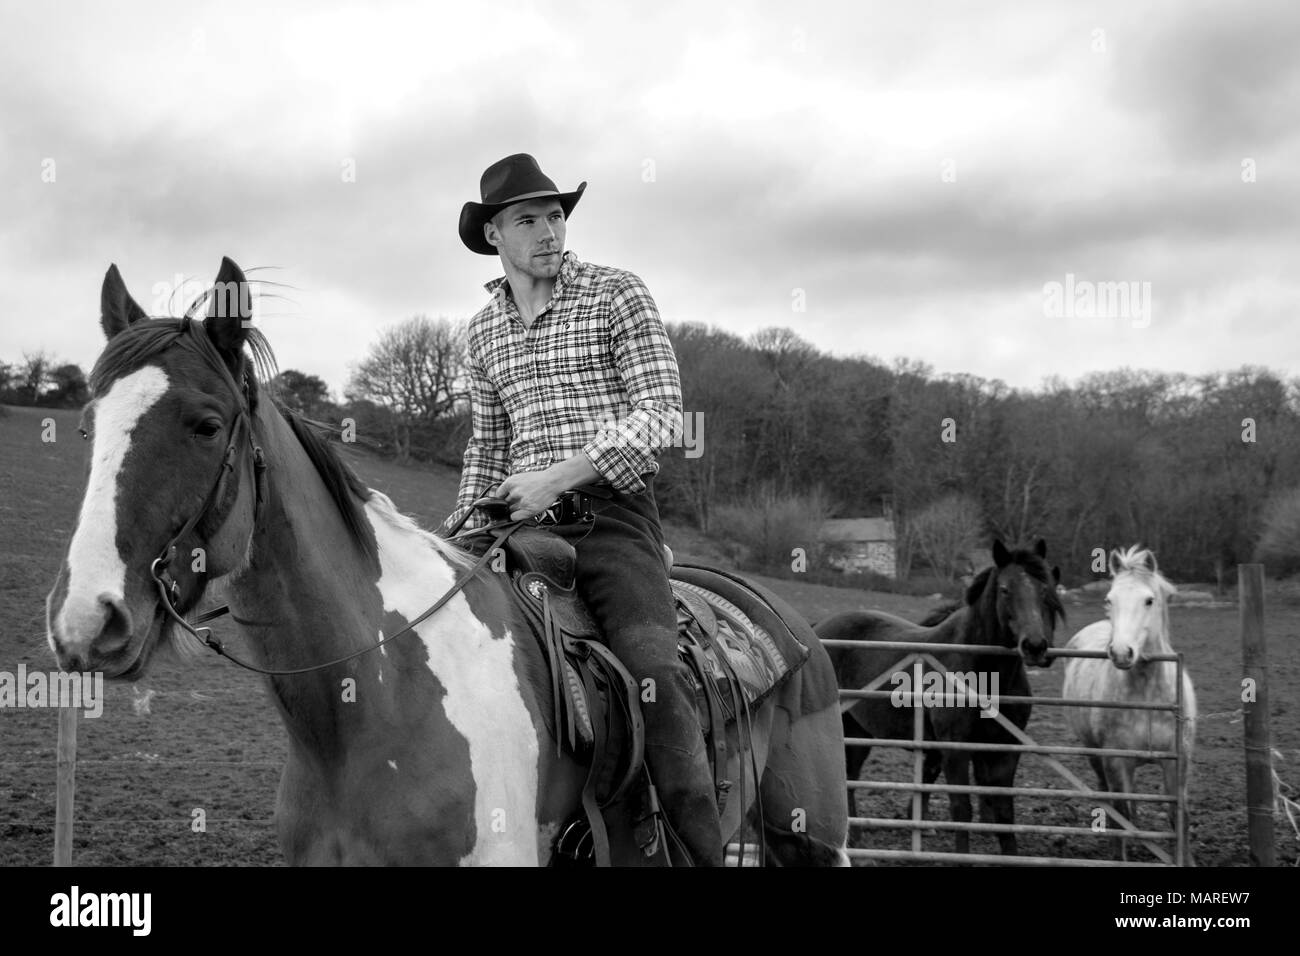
(483, 701)
(95, 568)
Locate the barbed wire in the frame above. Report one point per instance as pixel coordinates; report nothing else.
(1284, 806)
(187, 822)
(147, 761)
(1220, 714)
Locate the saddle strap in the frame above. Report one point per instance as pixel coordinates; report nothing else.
(745, 741)
(590, 803)
(624, 688)
(554, 652)
(717, 723)
(745, 734)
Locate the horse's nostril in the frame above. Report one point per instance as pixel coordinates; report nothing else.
(116, 631)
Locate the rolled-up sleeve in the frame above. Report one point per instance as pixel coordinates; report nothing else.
(487, 458)
(643, 354)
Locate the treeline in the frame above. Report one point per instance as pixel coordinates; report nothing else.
(1183, 464)
(380, 425)
(42, 380)
(780, 436)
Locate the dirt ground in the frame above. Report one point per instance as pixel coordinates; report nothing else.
(201, 735)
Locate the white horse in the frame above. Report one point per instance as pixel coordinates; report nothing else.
(1136, 627)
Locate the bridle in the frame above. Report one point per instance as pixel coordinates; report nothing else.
(160, 569)
(1045, 613)
(168, 588)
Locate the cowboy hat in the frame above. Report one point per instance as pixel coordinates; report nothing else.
(506, 182)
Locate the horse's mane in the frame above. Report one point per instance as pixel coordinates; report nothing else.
(145, 339)
(346, 490)
(1141, 563)
(382, 505)
(940, 613)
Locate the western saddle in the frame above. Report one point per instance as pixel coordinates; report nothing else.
(738, 649)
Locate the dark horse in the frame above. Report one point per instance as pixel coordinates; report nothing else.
(1012, 604)
(429, 748)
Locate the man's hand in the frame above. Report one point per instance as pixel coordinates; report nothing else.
(529, 492)
(532, 492)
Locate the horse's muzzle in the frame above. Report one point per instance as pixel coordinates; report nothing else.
(1034, 653)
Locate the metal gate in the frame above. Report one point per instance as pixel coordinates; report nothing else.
(920, 656)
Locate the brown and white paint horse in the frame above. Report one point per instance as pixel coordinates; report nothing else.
(441, 755)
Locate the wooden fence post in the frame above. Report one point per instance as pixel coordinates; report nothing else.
(65, 782)
(1259, 757)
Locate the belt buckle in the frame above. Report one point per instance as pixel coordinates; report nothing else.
(551, 516)
(571, 507)
(579, 507)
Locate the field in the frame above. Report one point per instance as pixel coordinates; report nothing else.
(201, 735)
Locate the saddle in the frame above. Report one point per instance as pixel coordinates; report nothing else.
(737, 647)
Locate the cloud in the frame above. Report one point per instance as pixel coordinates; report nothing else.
(918, 173)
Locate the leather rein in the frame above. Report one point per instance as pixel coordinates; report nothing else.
(168, 588)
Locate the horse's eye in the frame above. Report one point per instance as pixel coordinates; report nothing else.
(1004, 589)
(1150, 601)
(85, 435)
(208, 429)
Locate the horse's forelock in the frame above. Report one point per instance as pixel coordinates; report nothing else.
(1037, 568)
(149, 338)
(1139, 562)
(1032, 564)
(1136, 558)
(131, 348)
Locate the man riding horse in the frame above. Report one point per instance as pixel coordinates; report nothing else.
(574, 385)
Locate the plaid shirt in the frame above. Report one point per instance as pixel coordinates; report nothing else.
(594, 373)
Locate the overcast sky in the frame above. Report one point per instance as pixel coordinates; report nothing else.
(920, 171)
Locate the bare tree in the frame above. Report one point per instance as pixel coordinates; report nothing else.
(785, 353)
(1279, 544)
(32, 376)
(944, 531)
(417, 370)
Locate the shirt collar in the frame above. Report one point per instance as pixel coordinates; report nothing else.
(500, 286)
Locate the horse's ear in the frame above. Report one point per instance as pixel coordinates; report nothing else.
(1001, 556)
(1040, 548)
(230, 307)
(1115, 565)
(1151, 562)
(117, 309)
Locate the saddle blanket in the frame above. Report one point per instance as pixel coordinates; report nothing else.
(753, 654)
(718, 612)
